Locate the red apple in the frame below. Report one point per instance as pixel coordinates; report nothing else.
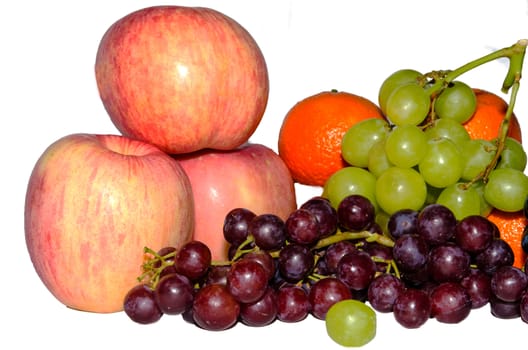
(93, 203)
(182, 78)
(252, 176)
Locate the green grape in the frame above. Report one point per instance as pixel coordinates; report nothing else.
(347, 181)
(476, 154)
(358, 140)
(408, 104)
(449, 129)
(441, 165)
(457, 101)
(462, 201)
(405, 146)
(351, 323)
(513, 155)
(400, 188)
(393, 81)
(506, 189)
(378, 161)
(485, 207)
(382, 219)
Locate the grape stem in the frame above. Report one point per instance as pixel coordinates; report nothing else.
(150, 270)
(515, 54)
(342, 236)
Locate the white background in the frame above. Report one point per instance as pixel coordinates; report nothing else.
(47, 54)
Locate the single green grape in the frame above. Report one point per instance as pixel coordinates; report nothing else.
(476, 155)
(441, 165)
(462, 201)
(358, 140)
(457, 102)
(405, 145)
(485, 207)
(350, 180)
(408, 104)
(506, 189)
(378, 161)
(351, 323)
(513, 155)
(393, 81)
(400, 188)
(449, 129)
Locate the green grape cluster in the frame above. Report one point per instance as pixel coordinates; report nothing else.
(422, 154)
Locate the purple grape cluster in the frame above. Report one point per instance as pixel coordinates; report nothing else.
(424, 264)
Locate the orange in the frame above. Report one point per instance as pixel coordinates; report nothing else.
(486, 121)
(312, 130)
(511, 227)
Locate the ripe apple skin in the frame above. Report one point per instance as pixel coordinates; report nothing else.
(93, 203)
(252, 176)
(182, 78)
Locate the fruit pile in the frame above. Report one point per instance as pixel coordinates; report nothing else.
(209, 222)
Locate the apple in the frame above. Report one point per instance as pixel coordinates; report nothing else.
(182, 78)
(93, 202)
(252, 176)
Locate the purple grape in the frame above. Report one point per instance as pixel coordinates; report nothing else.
(335, 252)
(261, 312)
(504, 309)
(498, 253)
(448, 262)
(265, 259)
(381, 254)
(523, 306)
(410, 252)
(403, 221)
(302, 227)
(478, 286)
(292, 304)
(247, 280)
(174, 294)
(295, 262)
(214, 308)
(356, 270)
(326, 292)
(436, 224)
(508, 283)
(193, 260)
(412, 308)
(167, 270)
(163, 252)
(217, 274)
(355, 213)
(140, 305)
(236, 225)
(383, 291)
(269, 231)
(450, 302)
(325, 214)
(474, 233)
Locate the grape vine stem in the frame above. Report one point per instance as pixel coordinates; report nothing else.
(515, 54)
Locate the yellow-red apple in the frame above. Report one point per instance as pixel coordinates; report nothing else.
(182, 78)
(93, 203)
(252, 176)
